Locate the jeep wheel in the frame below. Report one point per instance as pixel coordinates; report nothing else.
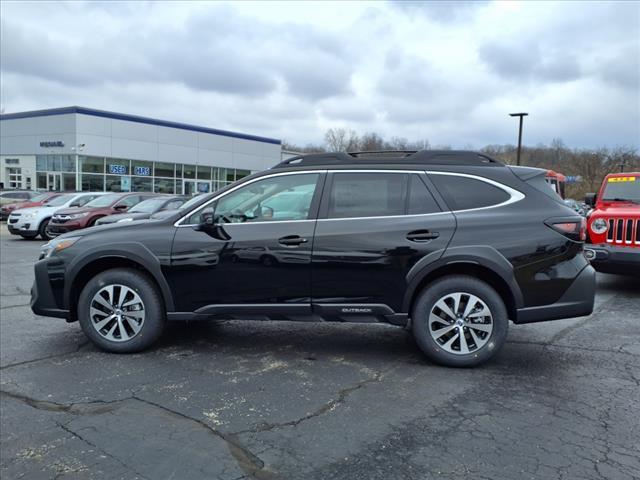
(121, 311)
(460, 321)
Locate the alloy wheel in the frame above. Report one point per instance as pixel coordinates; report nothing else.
(460, 323)
(117, 313)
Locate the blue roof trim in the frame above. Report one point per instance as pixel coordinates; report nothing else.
(137, 119)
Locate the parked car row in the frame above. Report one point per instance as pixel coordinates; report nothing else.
(66, 212)
(36, 201)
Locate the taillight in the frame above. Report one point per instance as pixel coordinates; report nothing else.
(574, 229)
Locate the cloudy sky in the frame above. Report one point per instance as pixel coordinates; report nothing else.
(446, 72)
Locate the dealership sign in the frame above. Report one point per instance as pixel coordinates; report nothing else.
(118, 169)
(55, 143)
(574, 178)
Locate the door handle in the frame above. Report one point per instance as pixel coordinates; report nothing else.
(292, 240)
(422, 235)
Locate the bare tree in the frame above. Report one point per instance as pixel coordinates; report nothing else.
(341, 140)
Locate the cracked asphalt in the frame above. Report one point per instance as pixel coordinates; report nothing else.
(241, 400)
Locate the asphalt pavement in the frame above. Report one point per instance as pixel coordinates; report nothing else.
(278, 400)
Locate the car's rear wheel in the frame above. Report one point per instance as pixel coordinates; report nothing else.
(42, 231)
(121, 311)
(460, 321)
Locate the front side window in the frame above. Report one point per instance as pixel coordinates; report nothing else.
(464, 193)
(367, 195)
(280, 198)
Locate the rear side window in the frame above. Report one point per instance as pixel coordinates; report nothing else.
(420, 199)
(367, 195)
(464, 193)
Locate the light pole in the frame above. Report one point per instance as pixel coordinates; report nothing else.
(521, 115)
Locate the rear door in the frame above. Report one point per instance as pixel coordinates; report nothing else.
(374, 227)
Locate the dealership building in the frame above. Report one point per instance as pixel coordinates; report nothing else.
(76, 148)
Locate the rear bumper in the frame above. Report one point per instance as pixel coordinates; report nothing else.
(577, 301)
(612, 259)
(43, 301)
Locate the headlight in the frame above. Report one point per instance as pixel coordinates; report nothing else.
(78, 215)
(125, 220)
(57, 245)
(599, 226)
(30, 214)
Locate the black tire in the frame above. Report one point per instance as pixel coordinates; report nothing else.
(154, 319)
(434, 350)
(42, 231)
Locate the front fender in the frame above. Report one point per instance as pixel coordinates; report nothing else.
(132, 251)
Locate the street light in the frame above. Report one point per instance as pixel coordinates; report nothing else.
(521, 115)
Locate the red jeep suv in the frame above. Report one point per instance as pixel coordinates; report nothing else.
(76, 218)
(614, 225)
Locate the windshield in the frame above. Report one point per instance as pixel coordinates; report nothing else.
(41, 197)
(56, 202)
(148, 206)
(104, 200)
(622, 188)
(194, 201)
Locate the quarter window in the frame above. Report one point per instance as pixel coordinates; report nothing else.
(367, 195)
(464, 193)
(420, 199)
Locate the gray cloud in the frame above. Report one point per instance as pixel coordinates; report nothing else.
(440, 10)
(446, 71)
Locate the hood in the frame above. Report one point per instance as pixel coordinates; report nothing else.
(609, 209)
(74, 210)
(13, 206)
(22, 211)
(121, 216)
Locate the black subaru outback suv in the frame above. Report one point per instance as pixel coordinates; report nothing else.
(452, 244)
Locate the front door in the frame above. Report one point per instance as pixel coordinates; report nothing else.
(190, 187)
(256, 254)
(372, 230)
(54, 182)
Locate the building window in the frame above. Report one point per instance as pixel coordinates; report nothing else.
(141, 184)
(117, 183)
(141, 168)
(92, 183)
(12, 161)
(92, 164)
(15, 177)
(117, 166)
(204, 173)
(41, 181)
(189, 171)
(164, 169)
(164, 185)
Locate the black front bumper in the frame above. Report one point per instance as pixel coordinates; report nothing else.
(577, 301)
(43, 300)
(614, 259)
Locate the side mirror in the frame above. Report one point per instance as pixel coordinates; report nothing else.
(120, 208)
(590, 199)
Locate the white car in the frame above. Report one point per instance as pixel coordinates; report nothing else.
(33, 221)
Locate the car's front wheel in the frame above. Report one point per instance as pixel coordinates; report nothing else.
(121, 311)
(460, 321)
(42, 231)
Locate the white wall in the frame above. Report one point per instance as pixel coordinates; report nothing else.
(28, 165)
(132, 140)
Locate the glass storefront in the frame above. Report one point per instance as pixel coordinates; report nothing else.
(58, 172)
